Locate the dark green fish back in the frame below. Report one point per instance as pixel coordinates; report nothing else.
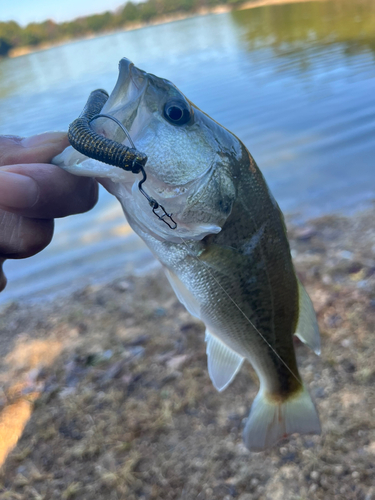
(260, 276)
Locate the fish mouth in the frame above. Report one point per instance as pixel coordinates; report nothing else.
(130, 86)
(129, 72)
(123, 102)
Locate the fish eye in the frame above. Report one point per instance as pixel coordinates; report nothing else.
(177, 112)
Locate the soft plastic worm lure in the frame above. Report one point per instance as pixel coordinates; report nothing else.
(85, 140)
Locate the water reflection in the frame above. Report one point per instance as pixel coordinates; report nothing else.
(295, 28)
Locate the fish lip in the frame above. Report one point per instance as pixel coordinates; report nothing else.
(124, 67)
(123, 101)
(124, 61)
(128, 71)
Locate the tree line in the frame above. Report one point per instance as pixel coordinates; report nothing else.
(12, 35)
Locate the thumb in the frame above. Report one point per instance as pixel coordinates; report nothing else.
(35, 149)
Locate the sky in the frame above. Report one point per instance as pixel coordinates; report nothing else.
(28, 11)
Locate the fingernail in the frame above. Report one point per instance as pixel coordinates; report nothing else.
(17, 191)
(39, 140)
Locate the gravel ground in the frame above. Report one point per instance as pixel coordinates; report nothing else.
(110, 394)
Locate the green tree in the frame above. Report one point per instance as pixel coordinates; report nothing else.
(5, 47)
(33, 34)
(50, 30)
(72, 29)
(10, 34)
(148, 10)
(99, 22)
(130, 12)
(187, 5)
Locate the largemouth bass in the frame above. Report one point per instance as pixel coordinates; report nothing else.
(228, 258)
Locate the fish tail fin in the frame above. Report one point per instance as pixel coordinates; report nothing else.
(271, 420)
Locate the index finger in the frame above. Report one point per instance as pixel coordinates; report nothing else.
(30, 186)
(45, 191)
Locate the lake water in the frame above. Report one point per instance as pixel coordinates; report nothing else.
(295, 82)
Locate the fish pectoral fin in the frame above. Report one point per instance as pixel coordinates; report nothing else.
(183, 294)
(223, 362)
(271, 420)
(307, 328)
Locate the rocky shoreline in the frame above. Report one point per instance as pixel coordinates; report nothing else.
(114, 386)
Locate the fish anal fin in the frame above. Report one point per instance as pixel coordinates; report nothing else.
(183, 294)
(223, 362)
(271, 420)
(307, 327)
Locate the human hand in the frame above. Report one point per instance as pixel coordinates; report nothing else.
(34, 192)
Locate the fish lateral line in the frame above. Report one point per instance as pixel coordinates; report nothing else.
(242, 312)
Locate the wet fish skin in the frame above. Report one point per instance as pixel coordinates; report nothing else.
(228, 260)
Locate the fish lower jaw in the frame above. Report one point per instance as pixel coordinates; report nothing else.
(147, 224)
(143, 220)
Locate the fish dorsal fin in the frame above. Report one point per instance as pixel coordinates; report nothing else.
(307, 328)
(183, 294)
(223, 363)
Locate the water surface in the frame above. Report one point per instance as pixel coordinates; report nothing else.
(295, 82)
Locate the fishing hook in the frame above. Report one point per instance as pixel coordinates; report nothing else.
(138, 168)
(155, 205)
